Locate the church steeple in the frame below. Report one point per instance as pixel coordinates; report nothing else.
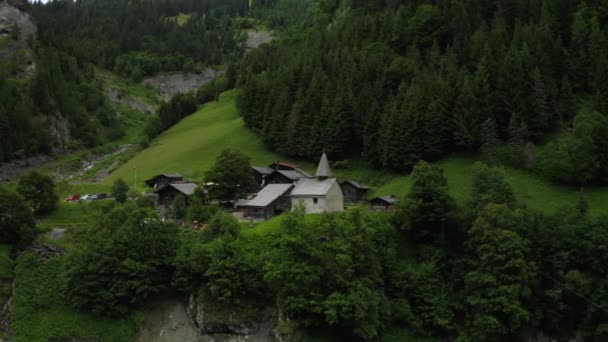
(323, 170)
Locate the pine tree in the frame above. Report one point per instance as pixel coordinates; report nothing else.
(489, 141)
(542, 116)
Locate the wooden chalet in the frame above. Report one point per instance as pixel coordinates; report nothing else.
(354, 192)
(384, 203)
(272, 200)
(162, 180)
(167, 194)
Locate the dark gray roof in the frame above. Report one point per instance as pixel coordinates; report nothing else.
(387, 199)
(264, 170)
(323, 170)
(357, 185)
(171, 175)
(295, 174)
(313, 187)
(185, 188)
(268, 194)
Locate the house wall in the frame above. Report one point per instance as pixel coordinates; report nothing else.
(332, 202)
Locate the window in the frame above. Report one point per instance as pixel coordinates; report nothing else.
(315, 200)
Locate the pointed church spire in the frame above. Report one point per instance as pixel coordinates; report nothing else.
(323, 170)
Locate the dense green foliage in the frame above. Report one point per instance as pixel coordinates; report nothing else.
(17, 224)
(139, 38)
(40, 312)
(230, 177)
(122, 262)
(38, 190)
(400, 81)
(120, 189)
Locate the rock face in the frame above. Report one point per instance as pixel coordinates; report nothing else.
(257, 38)
(230, 328)
(172, 84)
(17, 30)
(12, 15)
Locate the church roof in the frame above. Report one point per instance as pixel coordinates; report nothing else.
(323, 170)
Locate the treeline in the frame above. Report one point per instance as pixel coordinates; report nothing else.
(400, 81)
(484, 269)
(144, 37)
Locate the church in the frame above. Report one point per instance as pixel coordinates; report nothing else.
(319, 194)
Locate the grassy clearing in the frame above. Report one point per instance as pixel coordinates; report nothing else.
(191, 146)
(530, 190)
(40, 313)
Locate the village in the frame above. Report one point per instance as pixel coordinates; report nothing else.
(280, 187)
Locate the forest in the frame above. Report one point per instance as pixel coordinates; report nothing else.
(62, 105)
(523, 83)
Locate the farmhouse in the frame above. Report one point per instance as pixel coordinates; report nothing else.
(167, 194)
(384, 203)
(354, 191)
(162, 180)
(319, 194)
(270, 201)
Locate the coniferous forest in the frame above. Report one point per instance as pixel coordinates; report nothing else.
(400, 81)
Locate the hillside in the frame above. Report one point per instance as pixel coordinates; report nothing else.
(191, 146)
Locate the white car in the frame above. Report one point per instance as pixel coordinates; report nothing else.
(86, 197)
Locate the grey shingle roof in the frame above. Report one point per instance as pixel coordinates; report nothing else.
(388, 199)
(313, 187)
(185, 188)
(264, 170)
(357, 185)
(323, 170)
(268, 194)
(294, 175)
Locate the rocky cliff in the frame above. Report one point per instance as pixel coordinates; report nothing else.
(17, 31)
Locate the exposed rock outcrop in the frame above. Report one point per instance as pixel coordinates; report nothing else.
(17, 31)
(230, 325)
(171, 84)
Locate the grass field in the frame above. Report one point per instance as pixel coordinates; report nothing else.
(191, 146)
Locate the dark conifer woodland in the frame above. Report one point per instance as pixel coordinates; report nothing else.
(399, 81)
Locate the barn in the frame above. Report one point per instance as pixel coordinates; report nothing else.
(354, 192)
(162, 180)
(167, 194)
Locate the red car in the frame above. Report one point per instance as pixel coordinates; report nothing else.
(73, 198)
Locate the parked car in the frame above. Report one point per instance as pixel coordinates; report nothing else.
(72, 198)
(86, 197)
(102, 196)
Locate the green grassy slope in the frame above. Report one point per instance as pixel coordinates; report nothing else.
(191, 146)
(530, 190)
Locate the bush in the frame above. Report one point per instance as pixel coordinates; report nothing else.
(16, 220)
(39, 192)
